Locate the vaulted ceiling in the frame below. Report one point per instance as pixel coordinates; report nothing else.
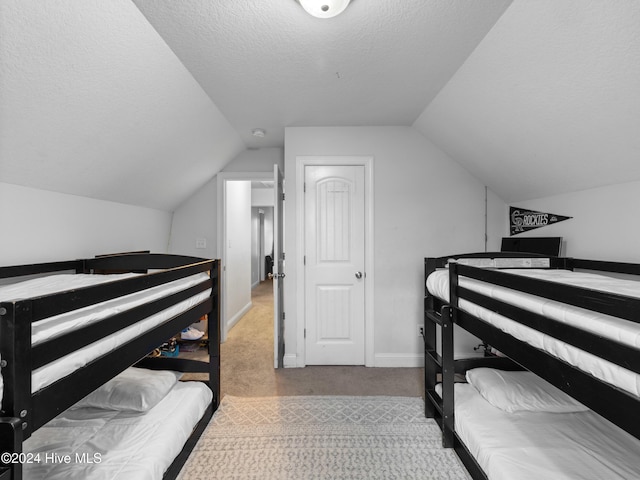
(549, 101)
(145, 100)
(270, 65)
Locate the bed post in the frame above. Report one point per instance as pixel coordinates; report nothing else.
(213, 328)
(11, 442)
(15, 345)
(448, 368)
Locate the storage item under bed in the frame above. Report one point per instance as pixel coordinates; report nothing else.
(110, 444)
(610, 327)
(533, 445)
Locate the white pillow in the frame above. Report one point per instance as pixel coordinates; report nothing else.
(521, 391)
(134, 390)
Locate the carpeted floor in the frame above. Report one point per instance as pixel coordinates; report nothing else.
(322, 437)
(247, 364)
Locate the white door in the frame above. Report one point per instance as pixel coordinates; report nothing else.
(334, 265)
(278, 270)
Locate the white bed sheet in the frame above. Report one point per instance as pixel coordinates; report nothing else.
(610, 327)
(52, 327)
(534, 445)
(128, 445)
(66, 365)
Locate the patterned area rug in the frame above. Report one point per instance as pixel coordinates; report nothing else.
(322, 437)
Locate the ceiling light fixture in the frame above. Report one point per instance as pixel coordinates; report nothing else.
(324, 8)
(258, 132)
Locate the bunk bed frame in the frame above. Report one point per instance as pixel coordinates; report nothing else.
(24, 412)
(614, 404)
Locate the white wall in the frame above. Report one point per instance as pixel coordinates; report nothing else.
(604, 224)
(238, 250)
(197, 216)
(42, 226)
(256, 246)
(95, 103)
(256, 160)
(260, 250)
(425, 205)
(262, 197)
(268, 230)
(261, 200)
(548, 102)
(196, 219)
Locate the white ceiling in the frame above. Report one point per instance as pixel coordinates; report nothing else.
(94, 103)
(269, 64)
(145, 100)
(549, 102)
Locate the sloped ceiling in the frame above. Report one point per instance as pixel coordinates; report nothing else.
(94, 103)
(269, 64)
(143, 101)
(549, 101)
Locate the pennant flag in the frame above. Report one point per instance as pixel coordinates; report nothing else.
(521, 220)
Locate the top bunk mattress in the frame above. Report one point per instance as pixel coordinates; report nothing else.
(52, 327)
(613, 328)
(57, 325)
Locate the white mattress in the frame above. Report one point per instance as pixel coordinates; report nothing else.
(127, 445)
(54, 326)
(534, 445)
(614, 328)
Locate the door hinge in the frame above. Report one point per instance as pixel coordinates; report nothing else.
(305, 333)
(283, 197)
(304, 187)
(283, 315)
(304, 260)
(282, 255)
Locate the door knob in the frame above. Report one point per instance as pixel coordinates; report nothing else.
(358, 275)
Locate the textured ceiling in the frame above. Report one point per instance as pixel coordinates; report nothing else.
(271, 65)
(549, 102)
(94, 103)
(142, 102)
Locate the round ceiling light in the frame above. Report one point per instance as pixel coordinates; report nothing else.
(258, 132)
(324, 8)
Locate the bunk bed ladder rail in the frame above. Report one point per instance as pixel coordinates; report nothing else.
(432, 362)
(449, 318)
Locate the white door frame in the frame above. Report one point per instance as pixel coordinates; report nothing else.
(367, 162)
(222, 179)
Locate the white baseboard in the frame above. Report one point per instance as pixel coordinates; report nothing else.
(382, 360)
(236, 318)
(290, 360)
(399, 360)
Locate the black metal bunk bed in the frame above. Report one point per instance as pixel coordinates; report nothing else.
(611, 402)
(23, 412)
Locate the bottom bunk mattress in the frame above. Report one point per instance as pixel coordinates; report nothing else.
(117, 441)
(559, 439)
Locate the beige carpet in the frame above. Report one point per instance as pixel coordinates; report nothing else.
(322, 437)
(247, 365)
